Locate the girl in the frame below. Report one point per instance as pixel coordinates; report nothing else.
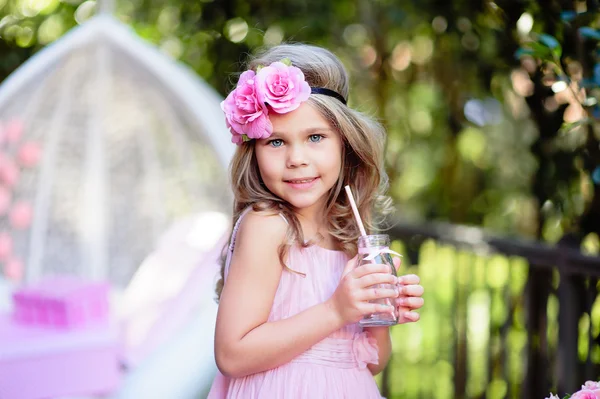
(289, 307)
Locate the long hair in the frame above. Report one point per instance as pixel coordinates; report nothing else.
(362, 157)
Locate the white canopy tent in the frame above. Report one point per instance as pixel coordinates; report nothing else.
(131, 142)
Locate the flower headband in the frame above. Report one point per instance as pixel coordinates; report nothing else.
(279, 87)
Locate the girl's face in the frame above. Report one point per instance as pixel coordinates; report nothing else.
(302, 159)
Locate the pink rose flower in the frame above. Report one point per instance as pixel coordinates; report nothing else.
(13, 269)
(21, 215)
(587, 394)
(282, 87)
(591, 385)
(29, 154)
(244, 113)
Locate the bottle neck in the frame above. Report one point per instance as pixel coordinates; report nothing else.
(374, 240)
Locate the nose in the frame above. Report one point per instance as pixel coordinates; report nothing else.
(296, 156)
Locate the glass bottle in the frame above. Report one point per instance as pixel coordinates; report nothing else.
(375, 249)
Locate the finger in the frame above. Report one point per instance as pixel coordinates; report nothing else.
(410, 302)
(409, 279)
(410, 290)
(408, 317)
(378, 278)
(400, 311)
(370, 294)
(350, 265)
(370, 268)
(397, 262)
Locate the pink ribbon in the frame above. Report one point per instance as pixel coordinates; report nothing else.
(365, 349)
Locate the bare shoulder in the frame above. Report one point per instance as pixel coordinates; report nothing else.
(260, 232)
(259, 225)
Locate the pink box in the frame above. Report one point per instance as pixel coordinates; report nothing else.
(38, 363)
(63, 302)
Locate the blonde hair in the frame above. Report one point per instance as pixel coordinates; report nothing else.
(362, 157)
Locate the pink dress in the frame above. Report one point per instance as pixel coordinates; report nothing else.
(336, 367)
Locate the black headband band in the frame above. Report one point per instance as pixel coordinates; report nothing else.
(327, 92)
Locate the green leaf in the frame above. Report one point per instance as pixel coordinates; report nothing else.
(245, 138)
(258, 68)
(287, 61)
(553, 44)
(539, 50)
(557, 52)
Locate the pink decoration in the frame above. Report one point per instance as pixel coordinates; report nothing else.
(62, 302)
(591, 385)
(6, 245)
(5, 200)
(13, 269)
(13, 131)
(590, 390)
(29, 154)
(279, 87)
(46, 363)
(282, 87)
(9, 172)
(21, 215)
(586, 394)
(365, 350)
(244, 114)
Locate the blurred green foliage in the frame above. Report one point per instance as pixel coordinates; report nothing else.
(475, 326)
(441, 77)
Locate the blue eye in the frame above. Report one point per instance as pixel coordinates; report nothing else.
(276, 143)
(315, 138)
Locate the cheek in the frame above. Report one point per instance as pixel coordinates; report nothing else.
(333, 160)
(266, 166)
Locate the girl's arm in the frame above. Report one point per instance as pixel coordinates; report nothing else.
(245, 342)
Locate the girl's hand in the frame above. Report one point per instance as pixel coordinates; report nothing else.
(351, 299)
(409, 297)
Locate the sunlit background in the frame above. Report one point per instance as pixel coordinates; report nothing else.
(491, 111)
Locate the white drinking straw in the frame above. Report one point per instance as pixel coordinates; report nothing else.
(355, 210)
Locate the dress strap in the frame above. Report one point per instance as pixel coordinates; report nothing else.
(233, 236)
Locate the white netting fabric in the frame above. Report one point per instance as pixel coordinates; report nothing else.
(121, 159)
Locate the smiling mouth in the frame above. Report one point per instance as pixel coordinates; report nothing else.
(301, 181)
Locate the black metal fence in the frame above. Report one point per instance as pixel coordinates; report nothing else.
(503, 318)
